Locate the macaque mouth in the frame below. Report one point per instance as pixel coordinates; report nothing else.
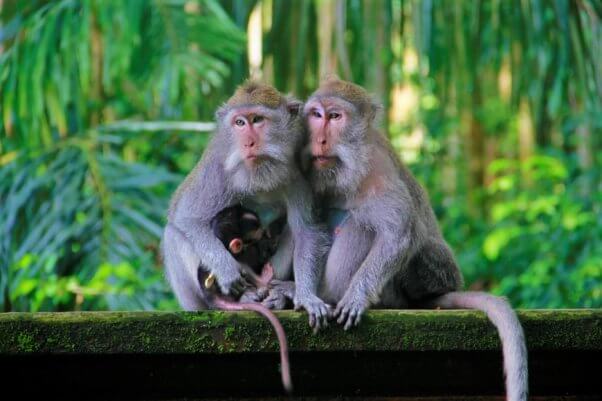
(254, 158)
(324, 161)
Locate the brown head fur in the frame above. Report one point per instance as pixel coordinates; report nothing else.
(253, 93)
(332, 86)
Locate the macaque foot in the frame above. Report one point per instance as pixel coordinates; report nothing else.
(349, 310)
(318, 311)
(280, 292)
(275, 300)
(253, 295)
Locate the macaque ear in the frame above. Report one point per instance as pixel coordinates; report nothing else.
(235, 246)
(293, 106)
(220, 114)
(373, 109)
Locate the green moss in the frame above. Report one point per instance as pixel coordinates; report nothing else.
(226, 332)
(26, 342)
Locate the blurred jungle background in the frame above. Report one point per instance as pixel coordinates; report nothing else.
(105, 105)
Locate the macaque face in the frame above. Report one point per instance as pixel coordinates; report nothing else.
(327, 120)
(260, 146)
(250, 127)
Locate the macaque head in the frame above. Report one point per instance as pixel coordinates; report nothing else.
(339, 118)
(236, 228)
(249, 232)
(260, 129)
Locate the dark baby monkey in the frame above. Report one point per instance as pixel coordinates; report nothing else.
(240, 230)
(387, 250)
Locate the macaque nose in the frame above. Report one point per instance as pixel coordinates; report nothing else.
(321, 140)
(250, 143)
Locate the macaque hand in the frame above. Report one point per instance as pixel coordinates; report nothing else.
(279, 292)
(317, 310)
(350, 309)
(231, 282)
(251, 295)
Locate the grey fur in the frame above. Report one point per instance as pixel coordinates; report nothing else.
(389, 252)
(220, 180)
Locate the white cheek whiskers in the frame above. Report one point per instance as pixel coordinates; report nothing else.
(276, 152)
(233, 160)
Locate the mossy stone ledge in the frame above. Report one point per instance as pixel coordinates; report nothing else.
(213, 354)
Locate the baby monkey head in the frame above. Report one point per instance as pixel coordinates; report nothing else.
(261, 130)
(339, 117)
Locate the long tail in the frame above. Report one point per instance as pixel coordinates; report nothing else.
(265, 312)
(510, 331)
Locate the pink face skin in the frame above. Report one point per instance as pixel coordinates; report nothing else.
(250, 127)
(326, 120)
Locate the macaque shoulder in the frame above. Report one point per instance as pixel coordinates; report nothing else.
(203, 193)
(382, 180)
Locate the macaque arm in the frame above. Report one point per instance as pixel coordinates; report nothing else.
(282, 260)
(310, 247)
(212, 253)
(203, 198)
(390, 251)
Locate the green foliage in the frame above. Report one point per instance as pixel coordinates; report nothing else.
(77, 221)
(504, 131)
(81, 63)
(545, 233)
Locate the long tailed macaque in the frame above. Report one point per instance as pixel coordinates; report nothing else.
(250, 161)
(387, 250)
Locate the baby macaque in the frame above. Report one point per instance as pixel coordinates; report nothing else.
(240, 231)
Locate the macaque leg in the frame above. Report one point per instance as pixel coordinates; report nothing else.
(180, 259)
(351, 244)
(260, 289)
(282, 260)
(431, 272)
(281, 288)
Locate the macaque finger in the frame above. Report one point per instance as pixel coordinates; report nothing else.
(358, 318)
(349, 322)
(312, 320)
(325, 318)
(343, 316)
(317, 327)
(337, 312)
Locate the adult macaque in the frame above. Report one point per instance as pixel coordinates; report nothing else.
(387, 249)
(250, 162)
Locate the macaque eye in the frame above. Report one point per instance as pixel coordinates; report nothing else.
(316, 114)
(257, 119)
(334, 116)
(240, 122)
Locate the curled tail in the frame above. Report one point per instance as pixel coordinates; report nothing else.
(265, 312)
(509, 329)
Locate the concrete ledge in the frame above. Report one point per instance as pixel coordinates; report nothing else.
(226, 332)
(159, 355)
